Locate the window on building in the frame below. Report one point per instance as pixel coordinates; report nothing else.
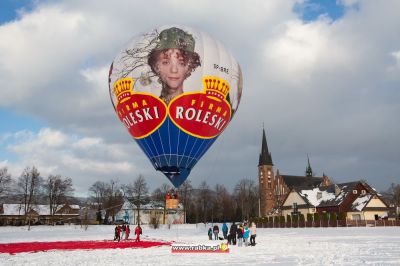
(319, 195)
(295, 208)
(363, 192)
(354, 191)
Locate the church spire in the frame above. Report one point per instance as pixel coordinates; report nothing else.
(265, 155)
(309, 171)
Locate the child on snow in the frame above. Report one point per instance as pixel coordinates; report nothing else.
(240, 235)
(210, 233)
(246, 235)
(138, 232)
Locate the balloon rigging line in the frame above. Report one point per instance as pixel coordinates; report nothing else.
(201, 149)
(206, 149)
(143, 149)
(169, 142)
(187, 139)
(190, 153)
(162, 146)
(177, 146)
(195, 154)
(150, 150)
(151, 137)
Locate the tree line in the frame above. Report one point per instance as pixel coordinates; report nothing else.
(29, 189)
(201, 203)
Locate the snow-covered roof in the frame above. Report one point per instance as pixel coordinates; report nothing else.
(18, 209)
(42, 209)
(361, 202)
(13, 209)
(317, 195)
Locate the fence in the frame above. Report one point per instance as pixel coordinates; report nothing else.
(321, 223)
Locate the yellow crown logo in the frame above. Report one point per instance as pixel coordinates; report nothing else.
(123, 89)
(216, 87)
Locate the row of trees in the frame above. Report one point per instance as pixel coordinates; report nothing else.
(110, 196)
(200, 204)
(30, 188)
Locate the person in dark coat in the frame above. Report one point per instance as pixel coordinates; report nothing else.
(210, 233)
(117, 232)
(127, 232)
(216, 231)
(232, 233)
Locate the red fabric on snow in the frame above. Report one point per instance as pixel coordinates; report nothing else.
(13, 248)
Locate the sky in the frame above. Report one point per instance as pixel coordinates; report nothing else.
(321, 77)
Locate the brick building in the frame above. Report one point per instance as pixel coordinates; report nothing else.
(274, 187)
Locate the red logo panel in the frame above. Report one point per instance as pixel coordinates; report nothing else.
(199, 114)
(141, 114)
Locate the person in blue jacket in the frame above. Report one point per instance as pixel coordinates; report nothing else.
(246, 235)
(225, 230)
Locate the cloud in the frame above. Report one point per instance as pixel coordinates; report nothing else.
(326, 88)
(84, 159)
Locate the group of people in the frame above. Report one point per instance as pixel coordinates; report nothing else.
(239, 234)
(171, 195)
(121, 232)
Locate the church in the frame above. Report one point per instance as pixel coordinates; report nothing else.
(274, 187)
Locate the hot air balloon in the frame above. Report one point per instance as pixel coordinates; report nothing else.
(175, 89)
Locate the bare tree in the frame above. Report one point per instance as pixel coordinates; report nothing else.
(114, 199)
(185, 193)
(28, 186)
(223, 203)
(5, 180)
(392, 194)
(137, 192)
(246, 196)
(56, 190)
(98, 194)
(204, 199)
(159, 195)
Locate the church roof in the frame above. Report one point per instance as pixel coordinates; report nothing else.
(293, 181)
(265, 155)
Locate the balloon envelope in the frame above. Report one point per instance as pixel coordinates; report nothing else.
(175, 89)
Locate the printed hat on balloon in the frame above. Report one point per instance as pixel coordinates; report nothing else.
(175, 89)
(175, 38)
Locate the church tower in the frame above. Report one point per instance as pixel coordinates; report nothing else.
(266, 178)
(309, 171)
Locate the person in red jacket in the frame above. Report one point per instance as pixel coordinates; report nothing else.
(138, 232)
(117, 231)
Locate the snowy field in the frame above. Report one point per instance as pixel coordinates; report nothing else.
(302, 246)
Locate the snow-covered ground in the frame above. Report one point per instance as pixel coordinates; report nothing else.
(294, 246)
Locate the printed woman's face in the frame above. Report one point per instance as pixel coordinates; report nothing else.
(172, 69)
